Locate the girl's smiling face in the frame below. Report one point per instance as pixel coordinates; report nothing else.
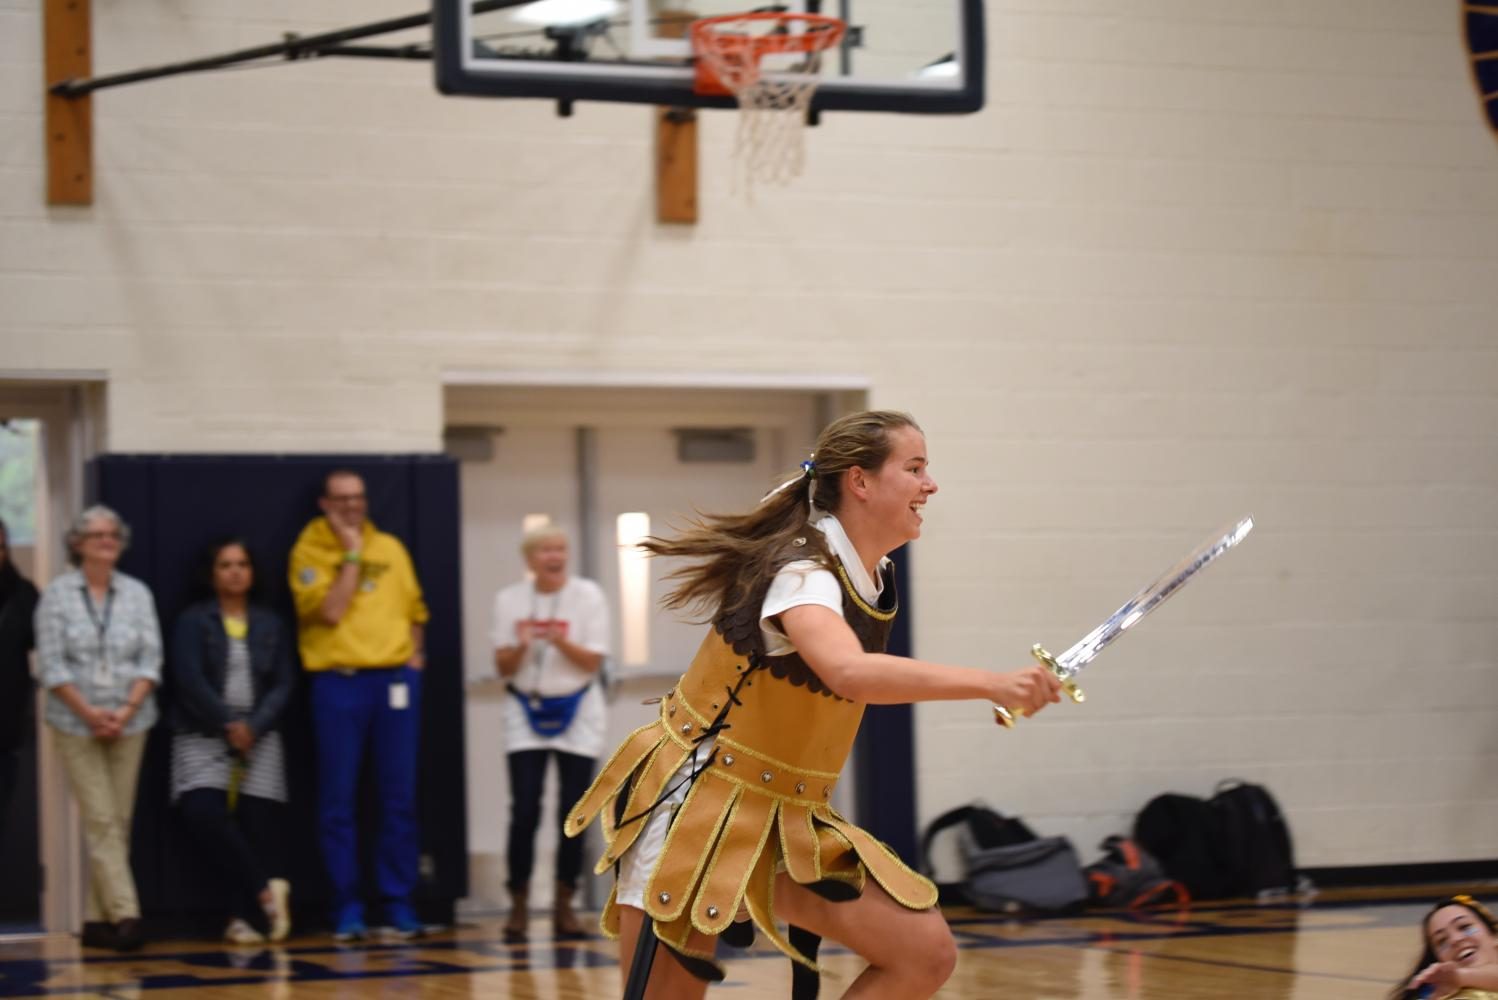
(899, 489)
(1456, 934)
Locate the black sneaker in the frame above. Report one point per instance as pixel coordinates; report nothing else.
(129, 935)
(98, 934)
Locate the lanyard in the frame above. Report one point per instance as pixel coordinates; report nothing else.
(538, 657)
(101, 625)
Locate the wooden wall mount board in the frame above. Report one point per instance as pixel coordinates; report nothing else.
(675, 144)
(70, 146)
(676, 165)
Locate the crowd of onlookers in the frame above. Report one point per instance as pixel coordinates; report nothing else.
(99, 655)
(232, 664)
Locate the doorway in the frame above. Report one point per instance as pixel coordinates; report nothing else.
(48, 431)
(607, 464)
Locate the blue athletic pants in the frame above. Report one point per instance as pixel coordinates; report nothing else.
(354, 713)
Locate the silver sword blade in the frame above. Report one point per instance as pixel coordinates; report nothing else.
(1071, 662)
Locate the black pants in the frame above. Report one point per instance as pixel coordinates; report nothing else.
(248, 845)
(527, 777)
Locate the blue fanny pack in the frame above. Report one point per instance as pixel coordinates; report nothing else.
(550, 716)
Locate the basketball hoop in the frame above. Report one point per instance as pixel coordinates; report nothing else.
(772, 101)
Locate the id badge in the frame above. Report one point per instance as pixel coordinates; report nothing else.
(400, 696)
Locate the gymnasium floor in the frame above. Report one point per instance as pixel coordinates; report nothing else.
(1350, 943)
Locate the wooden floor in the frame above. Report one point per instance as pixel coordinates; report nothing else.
(1339, 945)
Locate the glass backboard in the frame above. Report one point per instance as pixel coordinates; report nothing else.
(914, 56)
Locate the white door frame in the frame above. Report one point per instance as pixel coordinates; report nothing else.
(837, 394)
(70, 406)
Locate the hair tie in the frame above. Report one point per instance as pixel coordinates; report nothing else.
(808, 474)
(1475, 907)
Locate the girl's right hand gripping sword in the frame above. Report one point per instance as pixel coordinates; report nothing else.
(1070, 663)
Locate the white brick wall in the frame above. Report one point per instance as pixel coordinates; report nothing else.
(1198, 258)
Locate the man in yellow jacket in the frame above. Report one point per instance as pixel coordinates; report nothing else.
(360, 617)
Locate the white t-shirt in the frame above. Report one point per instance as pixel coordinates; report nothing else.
(797, 583)
(807, 582)
(580, 606)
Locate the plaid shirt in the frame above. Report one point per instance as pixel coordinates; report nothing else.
(101, 650)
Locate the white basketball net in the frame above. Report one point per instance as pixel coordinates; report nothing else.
(769, 145)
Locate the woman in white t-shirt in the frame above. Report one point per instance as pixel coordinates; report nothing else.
(550, 637)
(725, 802)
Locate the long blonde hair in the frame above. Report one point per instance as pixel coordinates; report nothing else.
(736, 555)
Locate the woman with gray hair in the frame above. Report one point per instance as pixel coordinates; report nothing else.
(99, 657)
(551, 637)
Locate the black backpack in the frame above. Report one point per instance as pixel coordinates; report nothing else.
(1261, 854)
(1235, 844)
(1188, 837)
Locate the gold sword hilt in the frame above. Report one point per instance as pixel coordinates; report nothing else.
(1008, 717)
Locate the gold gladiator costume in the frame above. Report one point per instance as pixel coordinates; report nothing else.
(761, 801)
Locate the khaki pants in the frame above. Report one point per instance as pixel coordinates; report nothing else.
(103, 776)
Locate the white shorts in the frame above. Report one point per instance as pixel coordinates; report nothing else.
(637, 863)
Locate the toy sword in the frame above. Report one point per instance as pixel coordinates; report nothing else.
(1070, 663)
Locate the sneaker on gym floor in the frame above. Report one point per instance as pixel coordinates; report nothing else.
(240, 932)
(99, 934)
(279, 911)
(350, 925)
(403, 923)
(350, 930)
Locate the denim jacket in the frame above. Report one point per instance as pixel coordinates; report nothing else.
(199, 661)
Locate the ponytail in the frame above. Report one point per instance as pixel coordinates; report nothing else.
(737, 555)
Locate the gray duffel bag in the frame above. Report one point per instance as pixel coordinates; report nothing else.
(1038, 876)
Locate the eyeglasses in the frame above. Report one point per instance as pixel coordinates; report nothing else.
(115, 534)
(345, 498)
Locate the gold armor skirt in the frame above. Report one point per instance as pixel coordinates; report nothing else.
(759, 805)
